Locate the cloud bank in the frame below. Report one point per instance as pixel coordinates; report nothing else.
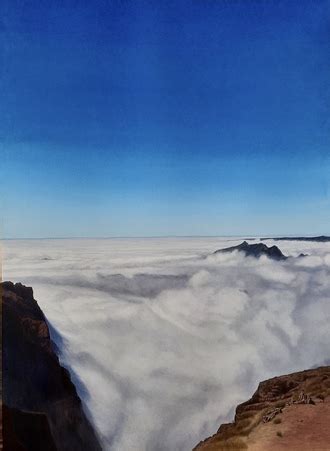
(165, 342)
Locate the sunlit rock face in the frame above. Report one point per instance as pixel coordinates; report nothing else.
(42, 410)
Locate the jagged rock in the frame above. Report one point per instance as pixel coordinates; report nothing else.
(42, 410)
(271, 414)
(255, 250)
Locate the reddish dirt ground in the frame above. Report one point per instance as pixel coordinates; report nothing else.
(289, 412)
(303, 428)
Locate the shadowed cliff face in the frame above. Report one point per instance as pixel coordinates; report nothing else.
(42, 410)
(286, 412)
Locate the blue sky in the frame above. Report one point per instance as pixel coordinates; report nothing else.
(148, 118)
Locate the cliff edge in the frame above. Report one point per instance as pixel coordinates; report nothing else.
(41, 408)
(290, 412)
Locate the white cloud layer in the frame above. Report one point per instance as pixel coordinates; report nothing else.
(164, 342)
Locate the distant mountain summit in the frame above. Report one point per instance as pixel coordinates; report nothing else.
(315, 239)
(255, 250)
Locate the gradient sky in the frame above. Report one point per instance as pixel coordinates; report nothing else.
(144, 118)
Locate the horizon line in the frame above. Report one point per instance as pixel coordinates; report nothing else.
(246, 236)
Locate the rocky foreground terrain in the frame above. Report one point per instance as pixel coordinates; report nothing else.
(41, 409)
(290, 412)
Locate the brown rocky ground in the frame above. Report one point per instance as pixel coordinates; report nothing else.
(290, 412)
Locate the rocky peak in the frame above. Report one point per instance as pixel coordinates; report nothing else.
(255, 250)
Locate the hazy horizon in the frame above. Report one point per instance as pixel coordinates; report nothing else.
(246, 236)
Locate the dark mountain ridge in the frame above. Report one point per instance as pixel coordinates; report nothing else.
(255, 250)
(316, 239)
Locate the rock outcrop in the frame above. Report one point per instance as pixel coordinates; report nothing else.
(41, 408)
(287, 412)
(255, 250)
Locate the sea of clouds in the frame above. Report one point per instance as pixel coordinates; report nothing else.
(163, 338)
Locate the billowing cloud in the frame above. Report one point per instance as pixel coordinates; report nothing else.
(164, 342)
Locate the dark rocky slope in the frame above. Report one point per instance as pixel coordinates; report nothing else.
(286, 412)
(41, 408)
(255, 250)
